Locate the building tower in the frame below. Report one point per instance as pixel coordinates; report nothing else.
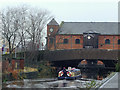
(52, 29)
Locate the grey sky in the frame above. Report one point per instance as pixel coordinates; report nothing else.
(73, 10)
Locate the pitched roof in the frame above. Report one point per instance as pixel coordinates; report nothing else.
(53, 22)
(81, 27)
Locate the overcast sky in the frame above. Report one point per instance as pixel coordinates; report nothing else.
(73, 10)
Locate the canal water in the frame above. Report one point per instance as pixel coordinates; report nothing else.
(49, 83)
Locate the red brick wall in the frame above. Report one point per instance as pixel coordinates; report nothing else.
(55, 30)
(51, 34)
(59, 42)
(71, 42)
(22, 64)
(13, 64)
(77, 46)
(6, 66)
(113, 42)
(50, 46)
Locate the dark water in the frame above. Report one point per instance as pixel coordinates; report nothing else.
(47, 83)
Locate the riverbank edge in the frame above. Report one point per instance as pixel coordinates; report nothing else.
(106, 79)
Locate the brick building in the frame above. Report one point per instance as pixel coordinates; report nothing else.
(78, 35)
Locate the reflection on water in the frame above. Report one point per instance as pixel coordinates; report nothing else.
(64, 84)
(26, 83)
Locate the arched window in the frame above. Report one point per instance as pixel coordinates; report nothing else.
(77, 41)
(119, 41)
(65, 41)
(107, 41)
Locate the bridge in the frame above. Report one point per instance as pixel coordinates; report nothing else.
(74, 56)
(78, 54)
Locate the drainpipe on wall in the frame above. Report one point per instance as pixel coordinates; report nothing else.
(71, 41)
(113, 41)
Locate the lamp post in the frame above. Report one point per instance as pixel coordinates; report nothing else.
(2, 50)
(3, 47)
(15, 45)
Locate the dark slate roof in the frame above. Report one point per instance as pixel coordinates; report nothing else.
(53, 22)
(81, 27)
(77, 54)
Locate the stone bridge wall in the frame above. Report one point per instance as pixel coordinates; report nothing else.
(75, 54)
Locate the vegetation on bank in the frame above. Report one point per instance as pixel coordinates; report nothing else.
(32, 63)
(46, 70)
(42, 70)
(118, 67)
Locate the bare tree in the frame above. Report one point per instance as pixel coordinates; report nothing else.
(38, 20)
(23, 24)
(10, 18)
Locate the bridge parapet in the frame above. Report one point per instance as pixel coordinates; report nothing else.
(78, 54)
